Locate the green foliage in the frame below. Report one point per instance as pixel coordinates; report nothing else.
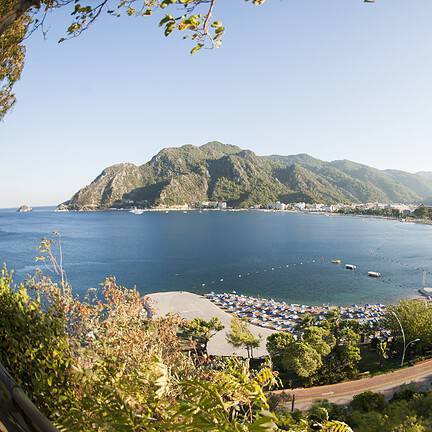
(415, 317)
(320, 339)
(227, 402)
(302, 359)
(34, 346)
(382, 350)
(201, 331)
(423, 212)
(368, 401)
(322, 354)
(241, 336)
(370, 412)
(12, 53)
(277, 343)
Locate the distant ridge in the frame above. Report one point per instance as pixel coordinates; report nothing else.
(221, 172)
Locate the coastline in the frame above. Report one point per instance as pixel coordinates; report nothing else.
(236, 210)
(264, 316)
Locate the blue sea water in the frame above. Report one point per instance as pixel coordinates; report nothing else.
(285, 256)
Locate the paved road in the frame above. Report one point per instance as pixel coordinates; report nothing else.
(342, 393)
(189, 306)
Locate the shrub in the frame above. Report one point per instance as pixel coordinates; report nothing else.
(368, 401)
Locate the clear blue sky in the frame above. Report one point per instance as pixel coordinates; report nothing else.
(333, 78)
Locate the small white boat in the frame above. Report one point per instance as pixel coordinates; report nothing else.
(374, 274)
(351, 267)
(137, 211)
(336, 261)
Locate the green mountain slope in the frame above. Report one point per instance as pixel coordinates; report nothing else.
(220, 172)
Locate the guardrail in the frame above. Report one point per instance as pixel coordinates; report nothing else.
(17, 411)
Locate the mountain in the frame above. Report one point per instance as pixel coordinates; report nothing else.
(425, 174)
(221, 172)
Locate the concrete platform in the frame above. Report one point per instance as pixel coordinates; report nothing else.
(189, 306)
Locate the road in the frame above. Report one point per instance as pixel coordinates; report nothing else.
(342, 393)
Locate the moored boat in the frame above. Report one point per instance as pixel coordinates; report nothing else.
(351, 267)
(374, 274)
(336, 261)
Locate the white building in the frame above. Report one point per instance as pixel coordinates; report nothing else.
(276, 206)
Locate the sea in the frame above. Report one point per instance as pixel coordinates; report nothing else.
(279, 255)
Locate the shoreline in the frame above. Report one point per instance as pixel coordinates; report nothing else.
(236, 210)
(260, 313)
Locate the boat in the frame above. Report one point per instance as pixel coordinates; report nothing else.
(351, 267)
(336, 261)
(137, 211)
(374, 274)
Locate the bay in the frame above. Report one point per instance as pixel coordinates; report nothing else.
(285, 256)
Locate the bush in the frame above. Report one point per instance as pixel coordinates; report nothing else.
(368, 401)
(34, 346)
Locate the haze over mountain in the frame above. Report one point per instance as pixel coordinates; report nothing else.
(221, 172)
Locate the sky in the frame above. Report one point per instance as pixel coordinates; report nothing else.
(336, 79)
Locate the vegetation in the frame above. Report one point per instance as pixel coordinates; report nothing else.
(321, 354)
(218, 172)
(241, 337)
(201, 331)
(423, 212)
(104, 363)
(409, 410)
(416, 319)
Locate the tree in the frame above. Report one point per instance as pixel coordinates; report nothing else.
(415, 317)
(320, 339)
(241, 336)
(201, 331)
(306, 321)
(278, 343)
(382, 350)
(302, 359)
(368, 401)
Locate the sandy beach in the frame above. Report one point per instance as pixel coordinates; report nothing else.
(189, 306)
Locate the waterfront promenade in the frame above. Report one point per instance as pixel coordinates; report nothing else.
(189, 306)
(342, 393)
